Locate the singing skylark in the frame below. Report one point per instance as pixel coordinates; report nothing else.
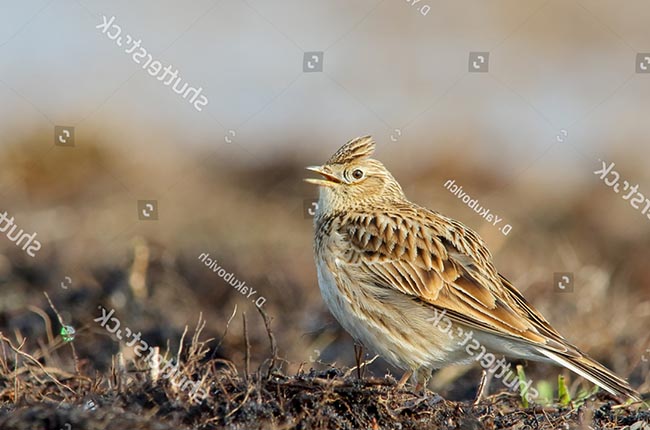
(387, 268)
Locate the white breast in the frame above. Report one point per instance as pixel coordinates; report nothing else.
(422, 345)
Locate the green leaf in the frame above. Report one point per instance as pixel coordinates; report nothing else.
(545, 390)
(522, 383)
(563, 391)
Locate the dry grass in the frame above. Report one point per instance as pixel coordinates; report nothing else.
(250, 218)
(128, 395)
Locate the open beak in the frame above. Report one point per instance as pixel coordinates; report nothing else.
(328, 178)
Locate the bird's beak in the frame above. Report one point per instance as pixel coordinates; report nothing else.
(328, 180)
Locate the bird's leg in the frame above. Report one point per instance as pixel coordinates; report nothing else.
(403, 379)
(358, 356)
(483, 386)
(423, 375)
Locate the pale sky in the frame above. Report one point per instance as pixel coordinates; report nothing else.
(561, 85)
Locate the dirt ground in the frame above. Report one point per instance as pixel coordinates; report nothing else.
(289, 366)
(36, 395)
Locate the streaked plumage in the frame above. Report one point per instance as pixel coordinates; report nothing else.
(386, 266)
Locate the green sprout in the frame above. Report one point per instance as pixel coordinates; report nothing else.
(522, 383)
(583, 395)
(545, 390)
(67, 333)
(563, 391)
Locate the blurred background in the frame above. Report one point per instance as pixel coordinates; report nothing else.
(126, 182)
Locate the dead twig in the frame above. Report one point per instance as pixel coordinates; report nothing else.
(58, 315)
(35, 361)
(225, 332)
(247, 353)
(272, 341)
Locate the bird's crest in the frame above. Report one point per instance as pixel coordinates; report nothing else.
(356, 149)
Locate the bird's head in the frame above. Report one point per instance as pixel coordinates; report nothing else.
(351, 178)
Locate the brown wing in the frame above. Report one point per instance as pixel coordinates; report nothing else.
(441, 262)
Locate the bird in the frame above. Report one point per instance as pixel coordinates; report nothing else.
(390, 271)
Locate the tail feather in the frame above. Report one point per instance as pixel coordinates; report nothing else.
(594, 372)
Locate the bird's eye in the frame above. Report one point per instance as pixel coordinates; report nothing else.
(357, 174)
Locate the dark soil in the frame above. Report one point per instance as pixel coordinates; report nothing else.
(317, 400)
(291, 366)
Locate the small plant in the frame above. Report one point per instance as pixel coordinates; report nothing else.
(67, 333)
(562, 391)
(583, 395)
(545, 390)
(522, 383)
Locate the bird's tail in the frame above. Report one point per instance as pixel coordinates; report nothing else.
(595, 372)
